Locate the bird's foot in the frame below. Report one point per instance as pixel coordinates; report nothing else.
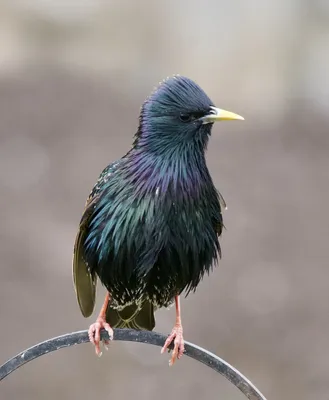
(177, 336)
(94, 333)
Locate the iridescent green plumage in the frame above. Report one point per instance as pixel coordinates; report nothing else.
(151, 224)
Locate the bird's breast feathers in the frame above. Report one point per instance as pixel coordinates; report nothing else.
(133, 218)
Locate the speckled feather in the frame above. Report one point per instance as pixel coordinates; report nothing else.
(155, 214)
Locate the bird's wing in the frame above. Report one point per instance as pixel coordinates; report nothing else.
(85, 280)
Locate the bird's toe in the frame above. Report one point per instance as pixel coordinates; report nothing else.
(176, 336)
(94, 334)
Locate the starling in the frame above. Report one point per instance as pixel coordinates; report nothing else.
(151, 224)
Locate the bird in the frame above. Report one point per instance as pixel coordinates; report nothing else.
(151, 225)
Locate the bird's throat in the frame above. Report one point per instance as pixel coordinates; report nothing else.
(177, 171)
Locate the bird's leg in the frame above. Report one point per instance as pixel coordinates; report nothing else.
(94, 331)
(177, 334)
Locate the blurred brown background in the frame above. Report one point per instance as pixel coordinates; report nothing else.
(73, 75)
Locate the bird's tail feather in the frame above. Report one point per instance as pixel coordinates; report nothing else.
(132, 316)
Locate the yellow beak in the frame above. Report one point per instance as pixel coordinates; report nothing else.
(217, 114)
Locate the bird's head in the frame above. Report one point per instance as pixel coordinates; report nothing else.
(178, 112)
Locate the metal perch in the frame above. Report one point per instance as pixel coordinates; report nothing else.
(130, 335)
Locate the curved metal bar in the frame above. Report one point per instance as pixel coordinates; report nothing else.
(130, 335)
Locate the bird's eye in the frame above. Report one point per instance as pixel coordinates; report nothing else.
(185, 117)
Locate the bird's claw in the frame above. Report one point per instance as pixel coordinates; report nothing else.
(94, 333)
(178, 351)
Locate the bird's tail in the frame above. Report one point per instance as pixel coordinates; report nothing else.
(132, 316)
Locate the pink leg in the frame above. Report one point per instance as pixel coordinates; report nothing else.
(94, 331)
(176, 335)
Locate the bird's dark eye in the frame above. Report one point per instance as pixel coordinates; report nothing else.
(185, 117)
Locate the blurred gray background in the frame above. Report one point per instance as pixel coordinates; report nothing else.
(73, 75)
